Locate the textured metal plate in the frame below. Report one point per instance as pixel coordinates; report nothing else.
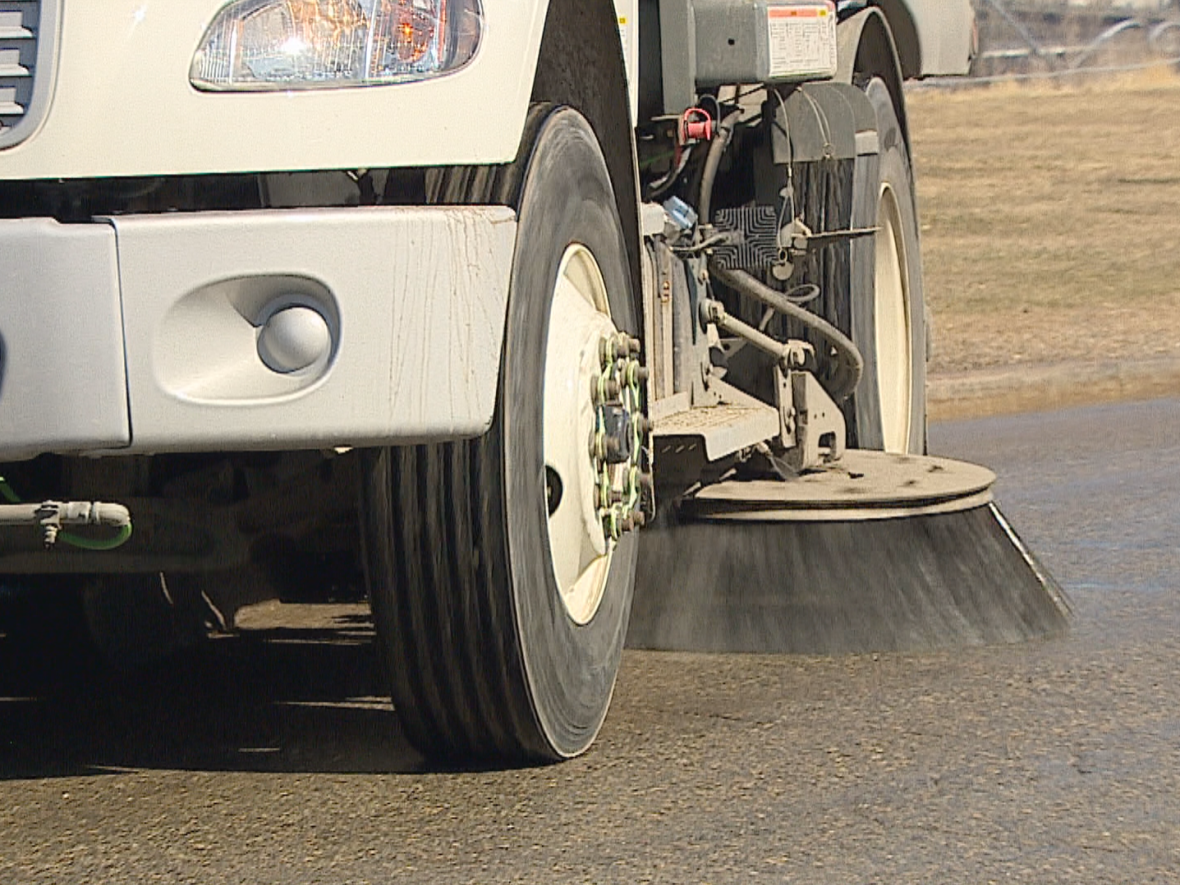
(736, 422)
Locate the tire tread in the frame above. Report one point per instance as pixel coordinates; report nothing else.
(437, 532)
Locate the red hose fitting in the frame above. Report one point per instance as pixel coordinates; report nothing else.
(696, 125)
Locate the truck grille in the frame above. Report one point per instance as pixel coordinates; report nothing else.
(27, 32)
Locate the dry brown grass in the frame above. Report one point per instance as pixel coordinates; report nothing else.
(1051, 220)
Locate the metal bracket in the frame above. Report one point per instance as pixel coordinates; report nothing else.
(790, 354)
(784, 401)
(678, 37)
(820, 435)
(811, 426)
(799, 239)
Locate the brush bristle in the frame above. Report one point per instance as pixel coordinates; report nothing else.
(918, 583)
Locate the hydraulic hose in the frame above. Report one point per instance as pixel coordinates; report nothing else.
(721, 139)
(849, 362)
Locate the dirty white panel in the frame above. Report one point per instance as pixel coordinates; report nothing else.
(62, 387)
(416, 299)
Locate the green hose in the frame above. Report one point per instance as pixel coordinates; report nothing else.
(100, 544)
(82, 543)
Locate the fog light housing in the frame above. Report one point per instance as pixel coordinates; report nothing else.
(293, 338)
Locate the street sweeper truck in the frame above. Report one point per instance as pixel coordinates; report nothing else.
(534, 319)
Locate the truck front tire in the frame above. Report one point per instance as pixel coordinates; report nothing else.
(488, 655)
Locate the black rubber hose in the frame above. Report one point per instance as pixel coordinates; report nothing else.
(850, 363)
(717, 148)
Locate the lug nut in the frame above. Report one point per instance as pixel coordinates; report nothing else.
(607, 391)
(612, 348)
(616, 347)
(637, 374)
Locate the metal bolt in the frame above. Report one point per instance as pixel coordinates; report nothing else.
(712, 311)
(607, 391)
(611, 349)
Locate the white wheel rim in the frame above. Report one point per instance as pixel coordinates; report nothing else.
(578, 321)
(891, 316)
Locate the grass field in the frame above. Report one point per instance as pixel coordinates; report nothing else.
(1050, 220)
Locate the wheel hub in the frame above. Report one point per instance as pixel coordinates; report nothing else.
(617, 446)
(595, 433)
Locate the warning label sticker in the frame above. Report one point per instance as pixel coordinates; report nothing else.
(802, 38)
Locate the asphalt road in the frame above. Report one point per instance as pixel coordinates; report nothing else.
(270, 758)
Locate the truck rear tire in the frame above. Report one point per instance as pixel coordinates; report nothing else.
(490, 655)
(888, 309)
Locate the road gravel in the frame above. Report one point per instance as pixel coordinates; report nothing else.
(271, 757)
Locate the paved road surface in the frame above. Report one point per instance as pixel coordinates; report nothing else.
(268, 758)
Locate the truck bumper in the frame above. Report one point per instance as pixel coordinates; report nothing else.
(139, 334)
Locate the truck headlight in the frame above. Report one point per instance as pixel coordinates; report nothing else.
(263, 45)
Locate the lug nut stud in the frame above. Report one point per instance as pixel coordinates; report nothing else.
(606, 352)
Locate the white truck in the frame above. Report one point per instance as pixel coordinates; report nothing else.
(447, 293)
